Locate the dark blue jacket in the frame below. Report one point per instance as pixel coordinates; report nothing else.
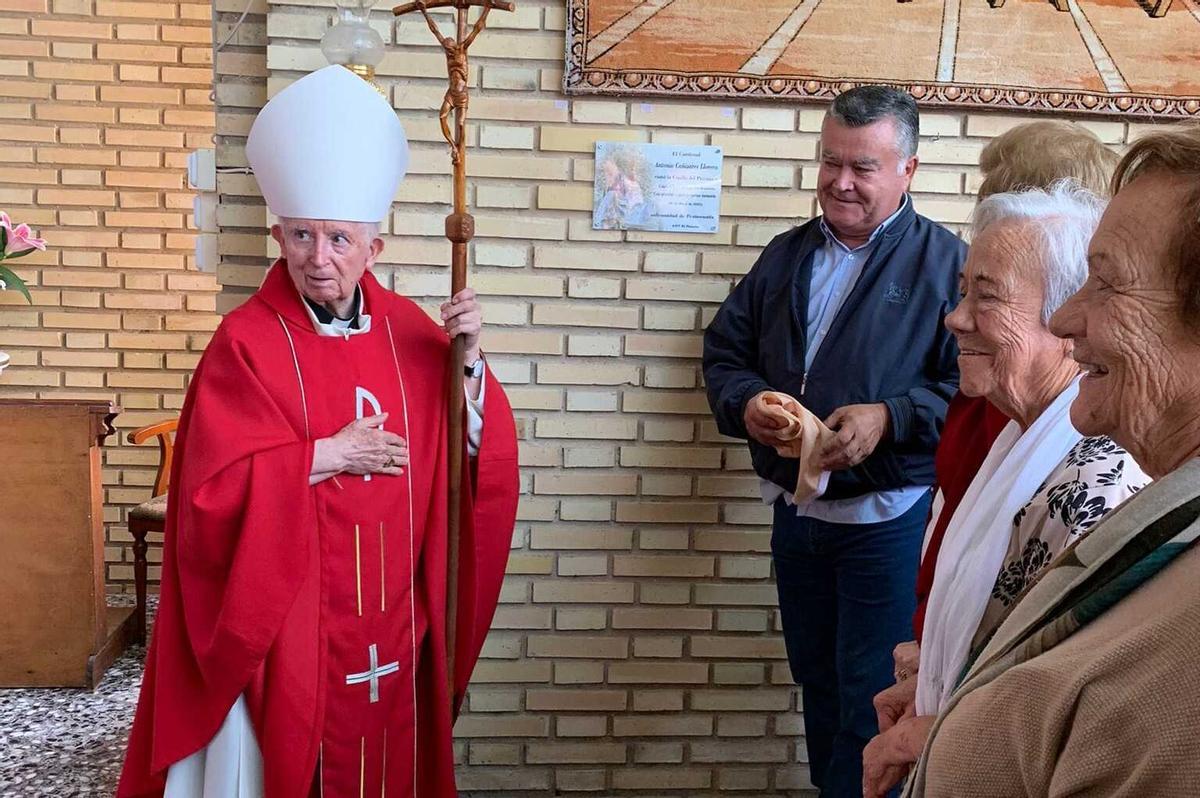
(888, 343)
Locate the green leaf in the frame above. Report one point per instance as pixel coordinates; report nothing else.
(20, 254)
(13, 281)
(3, 241)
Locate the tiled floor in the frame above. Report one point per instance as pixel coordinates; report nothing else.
(68, 743)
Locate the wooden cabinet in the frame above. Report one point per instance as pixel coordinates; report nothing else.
(55, 627)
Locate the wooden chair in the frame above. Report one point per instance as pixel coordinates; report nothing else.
(150, 516)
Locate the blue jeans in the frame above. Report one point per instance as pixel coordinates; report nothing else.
(846, 595)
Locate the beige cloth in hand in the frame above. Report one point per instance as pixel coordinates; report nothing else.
(802, 438)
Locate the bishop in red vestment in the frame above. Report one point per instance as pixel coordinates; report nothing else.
(304, 563)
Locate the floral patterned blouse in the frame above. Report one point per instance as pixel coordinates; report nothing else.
(1092, 480)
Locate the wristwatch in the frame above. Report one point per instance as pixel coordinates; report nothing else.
(474, 370)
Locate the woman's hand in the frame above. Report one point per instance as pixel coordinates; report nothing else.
(889, 757)
(360, 447)
(900, 700)
(907, 657)
(896, 703)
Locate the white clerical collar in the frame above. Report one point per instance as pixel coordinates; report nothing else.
(333, 327)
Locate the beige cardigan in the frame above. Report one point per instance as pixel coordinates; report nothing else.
(1114, 710)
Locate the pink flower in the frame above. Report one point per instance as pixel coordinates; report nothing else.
(21, 239)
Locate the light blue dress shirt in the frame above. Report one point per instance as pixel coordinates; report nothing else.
(835, 271)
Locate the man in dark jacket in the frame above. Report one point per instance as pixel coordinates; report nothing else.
(845, 314)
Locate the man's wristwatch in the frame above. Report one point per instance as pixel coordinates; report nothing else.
(474, 370)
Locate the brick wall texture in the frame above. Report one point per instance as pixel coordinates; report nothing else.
(636, 650)
(100, 102)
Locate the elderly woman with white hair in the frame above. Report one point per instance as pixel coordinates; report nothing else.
(1042, 486)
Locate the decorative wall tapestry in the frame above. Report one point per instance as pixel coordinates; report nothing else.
(1102, 57)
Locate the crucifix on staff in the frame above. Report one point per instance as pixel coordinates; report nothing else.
(460, 229)
(456, 67)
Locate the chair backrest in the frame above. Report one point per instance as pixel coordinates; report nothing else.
(165, 432)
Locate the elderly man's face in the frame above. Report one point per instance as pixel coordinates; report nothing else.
(326, 259)
(862, 177)
(1141, 363)
(1006, 353)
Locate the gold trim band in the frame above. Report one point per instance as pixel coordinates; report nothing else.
(364, 71)
(358, 569)
(367, 73)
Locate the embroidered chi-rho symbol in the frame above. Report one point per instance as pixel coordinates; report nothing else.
(896, 295)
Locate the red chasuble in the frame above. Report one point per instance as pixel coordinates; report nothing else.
(323, 605)
(972, 426)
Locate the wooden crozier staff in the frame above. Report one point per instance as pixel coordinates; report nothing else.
(460, 229)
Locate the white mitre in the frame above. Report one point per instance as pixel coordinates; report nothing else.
(329, 146)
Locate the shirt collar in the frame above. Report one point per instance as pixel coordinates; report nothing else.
(324, 316)
(832, 239)
(326, 324)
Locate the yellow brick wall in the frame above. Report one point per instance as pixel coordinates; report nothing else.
(100, 103)
(636, 648)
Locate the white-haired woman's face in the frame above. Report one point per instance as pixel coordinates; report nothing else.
(1006, 353)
